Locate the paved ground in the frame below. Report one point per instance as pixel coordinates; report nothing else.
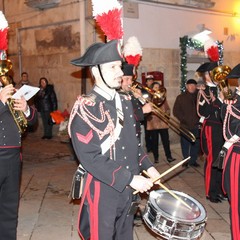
(46, 212)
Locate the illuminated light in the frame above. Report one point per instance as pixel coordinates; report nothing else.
(202, 36)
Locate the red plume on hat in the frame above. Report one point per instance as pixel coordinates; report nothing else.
(108, 15)
(211, 50)
(132, 51)
(3, 36)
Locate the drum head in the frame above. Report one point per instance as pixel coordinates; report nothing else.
(164, 202)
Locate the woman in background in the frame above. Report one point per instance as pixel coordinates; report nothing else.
(46, 102)
(157, 127)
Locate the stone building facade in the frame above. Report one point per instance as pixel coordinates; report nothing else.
(42, 43)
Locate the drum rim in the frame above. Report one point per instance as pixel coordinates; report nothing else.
(200, 219)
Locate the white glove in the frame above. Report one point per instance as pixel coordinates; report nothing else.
(141, 183)
(153, 174)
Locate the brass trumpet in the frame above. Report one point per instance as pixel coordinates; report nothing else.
(173, 124)
(219, 74)
(18, 116)
(158, 97)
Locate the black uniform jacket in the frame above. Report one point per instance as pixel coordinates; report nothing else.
(232, 123)
(210, 111)
(10, 136)
(137, 111)
(116, 162)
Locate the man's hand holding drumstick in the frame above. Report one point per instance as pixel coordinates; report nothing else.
(154, 177)
(143, 184)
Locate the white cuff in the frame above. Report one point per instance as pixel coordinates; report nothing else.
(201, 120)
(27, 113)
(231, 141)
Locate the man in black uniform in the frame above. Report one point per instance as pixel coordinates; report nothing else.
(10, 160)
(104, 139)
(208, 106)
(231, 149)
(139, 107)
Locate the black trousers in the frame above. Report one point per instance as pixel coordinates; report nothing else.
(9, 192)
(107, 214)
(165, 142)
(46, 119)
(231, 183)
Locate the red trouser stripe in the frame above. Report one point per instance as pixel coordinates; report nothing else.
(93, 208)
(86, 189)
(234, 187)
(208, 133)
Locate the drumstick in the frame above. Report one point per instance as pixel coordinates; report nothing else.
(170, 192)
(167, 171)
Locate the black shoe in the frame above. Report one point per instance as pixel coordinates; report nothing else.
(214, 200)
(171, 159)
(149, 150)
(185, 165)
(222, 197)
(49, 137)
(194, 165)
(44, 137)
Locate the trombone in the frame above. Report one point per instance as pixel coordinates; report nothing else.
(173, 124)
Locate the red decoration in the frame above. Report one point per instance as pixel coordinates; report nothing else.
(111, 24)
(65, 113)
(213, 53)
(57, 116)
(133, 59)
(3, 39)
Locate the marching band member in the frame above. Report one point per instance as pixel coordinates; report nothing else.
(139, 108)
(157, 126)
(208, 107)
(13, 112)
(104, 139)
(231, 149)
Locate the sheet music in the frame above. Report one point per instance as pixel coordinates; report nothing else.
(26, 91)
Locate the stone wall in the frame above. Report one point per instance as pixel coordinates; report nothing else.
(42, 43)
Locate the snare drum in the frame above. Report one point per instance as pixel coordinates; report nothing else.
(171, 219)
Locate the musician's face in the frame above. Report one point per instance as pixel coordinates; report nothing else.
(126, 83)
(112, 74)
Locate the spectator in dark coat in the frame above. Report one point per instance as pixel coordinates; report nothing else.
(46, 102)
(185, 110)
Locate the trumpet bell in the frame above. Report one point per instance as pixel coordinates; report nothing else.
(5, 66)
(159, 96)
(219, 75)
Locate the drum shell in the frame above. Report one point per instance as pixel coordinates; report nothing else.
(174, 221)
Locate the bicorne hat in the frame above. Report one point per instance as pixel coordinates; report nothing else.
(207, 66)
(235, 73)
(100, 53)
(127, 69)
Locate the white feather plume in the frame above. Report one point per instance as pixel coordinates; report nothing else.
(103, 6)
(3, 21)
(132, 47)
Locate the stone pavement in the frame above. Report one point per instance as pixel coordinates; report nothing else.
(46, 212)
